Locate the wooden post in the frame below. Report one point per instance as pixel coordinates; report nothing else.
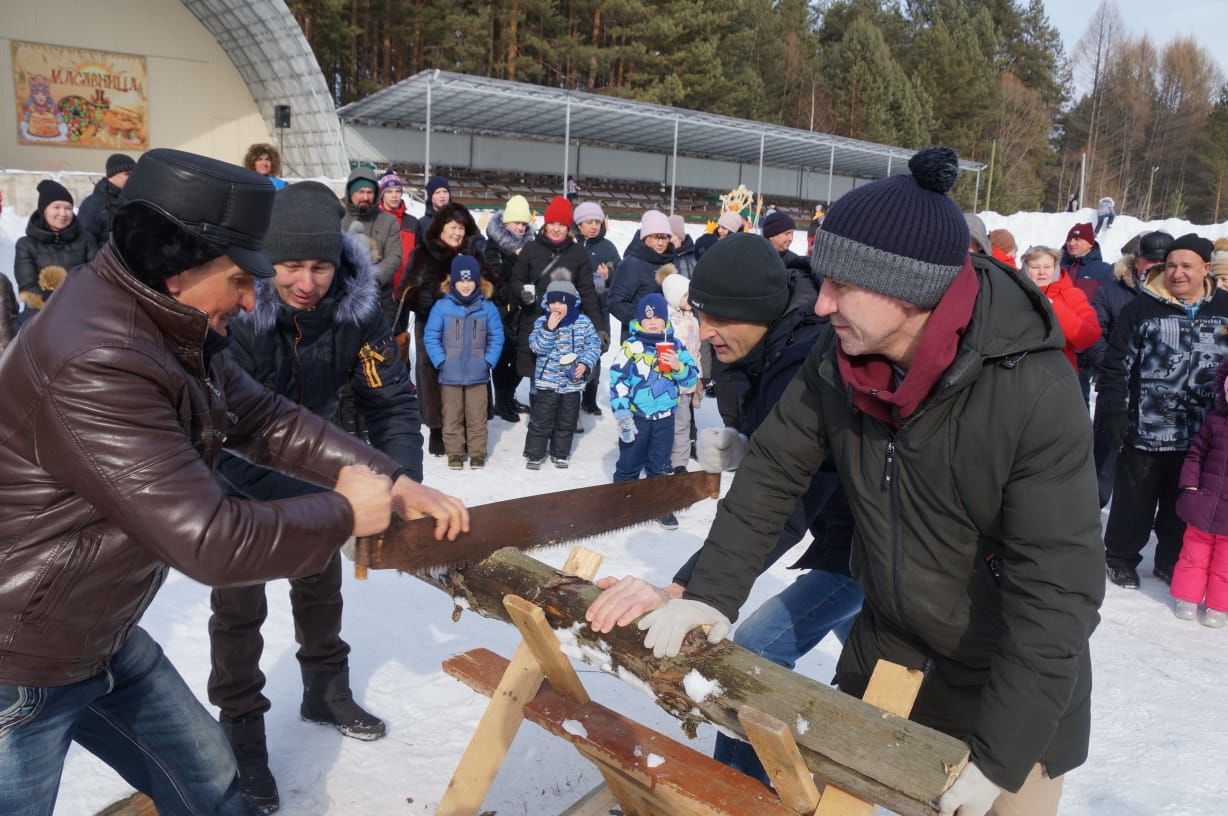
(138, 804)
(777, 750)
(502, 718)
(894, 689)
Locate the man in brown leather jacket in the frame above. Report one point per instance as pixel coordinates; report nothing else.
(113, 420)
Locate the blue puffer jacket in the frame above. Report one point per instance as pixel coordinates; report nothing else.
(579, 338)
(463, 342)
(635, 383)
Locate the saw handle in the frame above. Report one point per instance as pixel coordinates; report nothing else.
(362, 557)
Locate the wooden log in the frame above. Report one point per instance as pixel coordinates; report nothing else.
(874, 755)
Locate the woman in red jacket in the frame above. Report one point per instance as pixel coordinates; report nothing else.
(1074, 314)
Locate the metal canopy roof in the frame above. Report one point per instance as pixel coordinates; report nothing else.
(268, 49)
(473, 104)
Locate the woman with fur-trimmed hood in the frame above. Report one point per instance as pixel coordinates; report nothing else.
(451, 232)
(508, 233)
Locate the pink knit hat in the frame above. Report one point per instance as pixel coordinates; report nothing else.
(655, 222)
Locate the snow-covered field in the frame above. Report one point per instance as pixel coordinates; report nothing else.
(1160, 738)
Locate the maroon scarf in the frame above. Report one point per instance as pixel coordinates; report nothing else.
(871, 376)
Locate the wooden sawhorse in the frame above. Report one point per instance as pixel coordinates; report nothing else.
(646, 773)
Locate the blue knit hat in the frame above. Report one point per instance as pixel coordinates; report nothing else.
(465, 268)
(652, 305)
(903, 236)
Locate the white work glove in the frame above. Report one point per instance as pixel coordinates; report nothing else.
(719, 449)
(972, 794)
(668, 625)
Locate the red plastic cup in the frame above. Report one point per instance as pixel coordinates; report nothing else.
(661, 349)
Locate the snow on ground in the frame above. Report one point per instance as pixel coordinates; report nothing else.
(1159, 744)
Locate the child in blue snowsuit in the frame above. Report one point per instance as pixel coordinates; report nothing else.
(644, 397)
(463, 338)
(567, 347)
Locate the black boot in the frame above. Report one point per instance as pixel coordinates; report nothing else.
(327, 699)
(504, 409)
(246, 738)
(436, 444)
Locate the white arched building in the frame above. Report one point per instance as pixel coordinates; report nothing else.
(213, 71)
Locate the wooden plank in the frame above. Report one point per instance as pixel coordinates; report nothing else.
(678, 772)
(886, 759)
(138, 804)
(777, 750)
(497, 729)
(894, 689)
(596, 802)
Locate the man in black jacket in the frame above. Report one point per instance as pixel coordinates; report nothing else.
(1156, 384)
(317, 326)
(759, 318)
(942, 396)
(99, 207)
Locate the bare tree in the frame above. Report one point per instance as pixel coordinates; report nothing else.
(1092, 55)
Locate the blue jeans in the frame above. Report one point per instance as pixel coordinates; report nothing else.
(650, 450)
(787, 626)
(139, 717)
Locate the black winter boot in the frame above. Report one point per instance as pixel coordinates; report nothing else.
(327, 699)
(504, 409)
(246, 738)
(435, 446)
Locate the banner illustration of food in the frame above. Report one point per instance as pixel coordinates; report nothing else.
(72, 97)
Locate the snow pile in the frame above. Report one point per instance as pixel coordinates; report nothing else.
(655, 761)
(575, 728)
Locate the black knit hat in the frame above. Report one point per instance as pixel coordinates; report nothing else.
(50, 191)
(902, 236)
(436, 183)
(1194, 243)
(740, 278)
(305, 225)
(119, 163)
(777, 223)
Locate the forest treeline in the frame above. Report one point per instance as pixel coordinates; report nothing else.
(1149, 126)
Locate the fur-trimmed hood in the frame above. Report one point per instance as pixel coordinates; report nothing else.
(1123, 270)
(507, 241)
(354, 294)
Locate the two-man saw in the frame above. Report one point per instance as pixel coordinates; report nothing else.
(534, 521)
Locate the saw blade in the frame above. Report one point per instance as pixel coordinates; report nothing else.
(531, 522)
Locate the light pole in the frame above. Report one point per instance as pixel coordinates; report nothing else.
(1150, 181)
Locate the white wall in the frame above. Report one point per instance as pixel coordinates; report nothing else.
(197, 100)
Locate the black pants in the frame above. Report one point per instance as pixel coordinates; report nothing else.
(590, 388)
(236, 683)
(1145, 480)
(1105, 455)
(552, 417)
(504, 375)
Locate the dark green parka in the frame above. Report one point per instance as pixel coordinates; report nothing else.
(977, 531)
